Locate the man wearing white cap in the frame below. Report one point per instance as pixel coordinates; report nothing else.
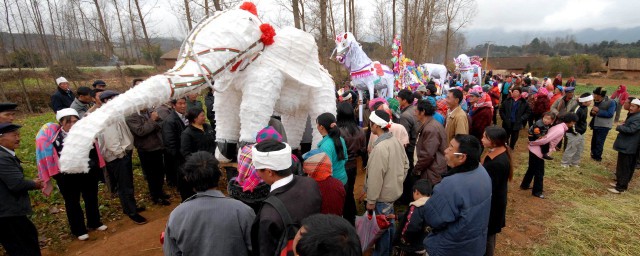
(575, 135)
(386, 170)
(63, 97)
(295, 196)
(627, 146)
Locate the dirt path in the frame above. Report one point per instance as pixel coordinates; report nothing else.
(124, 237)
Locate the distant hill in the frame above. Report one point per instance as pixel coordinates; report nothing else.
(501, 37)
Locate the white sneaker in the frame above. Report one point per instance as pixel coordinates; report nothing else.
(102, 228)
(83, 237)
(613, 184)
(615, 191)
(575, 166)
(564, 165)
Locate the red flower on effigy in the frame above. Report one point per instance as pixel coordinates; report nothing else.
(267, 34)
(250, 7)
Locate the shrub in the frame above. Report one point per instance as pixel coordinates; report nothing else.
(24, 58)
(130, 72)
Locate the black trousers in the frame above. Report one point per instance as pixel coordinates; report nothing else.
(513, 137)
(72, 187)
(304, 148)
(171, 166)
(535, 172)
(407, 184)
(19, 236)
(153, 168)
(123, 174)
(624, 170)
(349, 210)
(597, 141)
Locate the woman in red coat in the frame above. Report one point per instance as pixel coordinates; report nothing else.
(481, 113)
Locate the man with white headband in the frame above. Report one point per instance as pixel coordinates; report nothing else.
(386, 170)
(627, 146)
(295, 196)
(575, 135)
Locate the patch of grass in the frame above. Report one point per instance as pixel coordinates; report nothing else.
(594, 222)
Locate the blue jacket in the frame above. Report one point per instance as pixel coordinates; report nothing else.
(458, 212)
(61, 99)
(327, 146)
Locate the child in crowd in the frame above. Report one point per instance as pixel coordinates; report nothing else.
(413, 230)
(539, 129)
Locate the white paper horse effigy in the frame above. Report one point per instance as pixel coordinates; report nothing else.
(365, 73)
(408, 75)
(469, 69)
(256, 72)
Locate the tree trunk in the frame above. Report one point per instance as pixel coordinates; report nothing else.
(124, 39)
(393, 15)
(216, 3)
(333, 22)
(344, 9)
(134, 34)
(323, 29)
(446, 43)
(296, 13)
(37, 20)
(188, 12)
(24, 90)
(304, 24)
(206, 8)
(144, 29)
(56, 48)
(105, 35)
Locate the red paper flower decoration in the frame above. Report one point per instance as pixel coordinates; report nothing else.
(250, 7)
(267, 34)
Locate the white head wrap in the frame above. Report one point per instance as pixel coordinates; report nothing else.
(636, 102)
(66, 112)
(348, 97)
(585, 99)
(379, 121)
(60, 80)
(274, 160)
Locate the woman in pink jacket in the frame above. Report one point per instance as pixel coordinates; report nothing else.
(535, 171)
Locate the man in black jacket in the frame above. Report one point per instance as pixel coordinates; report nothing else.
(627, 146)
(514, 111)
(171, 131)
(575, 134)
(147, 138)
(299, 195)
(63, 97)
(18, 235)
(209, 100)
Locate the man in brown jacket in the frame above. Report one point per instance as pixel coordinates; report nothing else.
(457, 121)
(432, 141)
(386, 170)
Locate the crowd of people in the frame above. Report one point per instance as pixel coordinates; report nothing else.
(439, 155)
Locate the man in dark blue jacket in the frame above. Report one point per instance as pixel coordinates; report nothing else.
(627, 146)
(458, 210)
(63, 97)
(603, 112)
(18, 235)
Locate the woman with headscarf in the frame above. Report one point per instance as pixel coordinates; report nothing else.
(49, 144)
(541, 104)
(480, 113)
(620, 96)
(318, 166)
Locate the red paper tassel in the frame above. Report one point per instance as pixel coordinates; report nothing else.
(267, 34)
(250, 7)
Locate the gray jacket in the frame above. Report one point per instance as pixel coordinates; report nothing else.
(80, 107)
(628, 136)
(14, 196)
(605, 115)
(209, 224)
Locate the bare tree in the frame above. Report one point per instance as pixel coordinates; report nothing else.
(381, 22)
(37, 20)
(323, 28)
(457, 14)
(107, 40)
(124, 38)
(295, 6)
(146, 35)
(216, 4)
(188, 12)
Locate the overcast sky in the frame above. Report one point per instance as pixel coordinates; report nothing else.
(522, 15)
